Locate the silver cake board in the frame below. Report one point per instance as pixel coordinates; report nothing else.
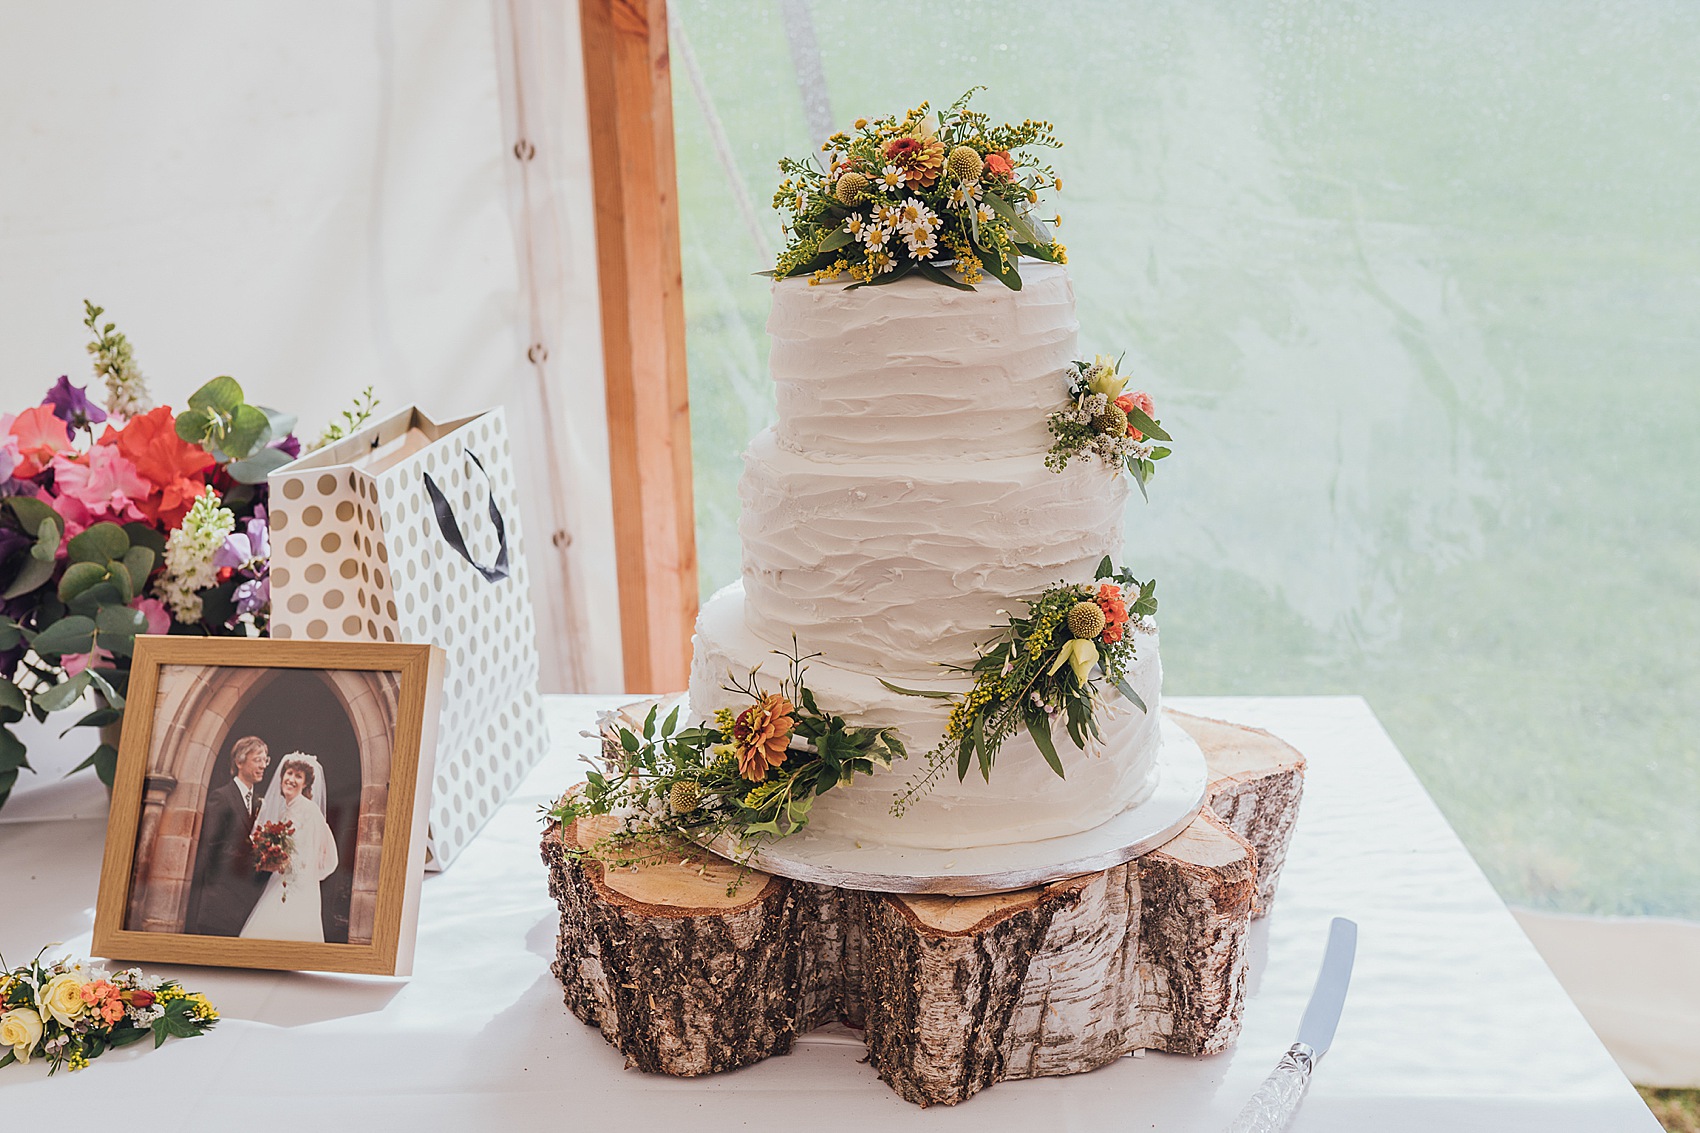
(825, 858)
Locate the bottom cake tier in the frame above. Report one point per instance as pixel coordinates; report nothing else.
(1024, 801)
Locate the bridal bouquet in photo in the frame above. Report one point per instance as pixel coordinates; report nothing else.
(72, 1013)
(124, 518)
(273, 843)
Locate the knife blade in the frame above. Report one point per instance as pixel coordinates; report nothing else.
(1272, 1106)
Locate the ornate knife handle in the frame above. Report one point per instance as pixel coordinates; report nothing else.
(1272, 1106)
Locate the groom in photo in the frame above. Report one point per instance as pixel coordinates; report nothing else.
(225, 885)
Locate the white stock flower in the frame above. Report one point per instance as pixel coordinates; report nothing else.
(189, 557)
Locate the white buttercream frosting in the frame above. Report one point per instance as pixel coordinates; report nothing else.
(896, 515)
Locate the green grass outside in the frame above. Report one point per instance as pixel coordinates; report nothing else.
(1419, 294)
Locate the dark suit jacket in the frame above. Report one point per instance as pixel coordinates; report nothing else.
(225, 886)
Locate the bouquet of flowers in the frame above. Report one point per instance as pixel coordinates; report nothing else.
(919, 194)
(71, 1013)
(1048, 665)
(126, 519)
(273, 844)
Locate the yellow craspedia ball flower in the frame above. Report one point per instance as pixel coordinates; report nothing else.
(853, 188)
(1086, 620)
(965, 164)
(684, 796)
(1112, 421)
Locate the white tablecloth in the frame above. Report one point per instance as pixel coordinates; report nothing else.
(1453, 1022)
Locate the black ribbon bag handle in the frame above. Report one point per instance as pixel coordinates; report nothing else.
(450, 527)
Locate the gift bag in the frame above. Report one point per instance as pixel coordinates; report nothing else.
(409, 531)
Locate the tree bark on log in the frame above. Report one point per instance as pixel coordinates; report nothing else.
(954, 993)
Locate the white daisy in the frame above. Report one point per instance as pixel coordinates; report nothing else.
(983, 213)
(891, 177)
(959, 197)
(875, 235)
(922, 243)
(881, 260)
(853, 226)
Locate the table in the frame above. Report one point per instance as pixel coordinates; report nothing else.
(1453, 1021)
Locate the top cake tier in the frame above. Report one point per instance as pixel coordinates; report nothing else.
(920, 371)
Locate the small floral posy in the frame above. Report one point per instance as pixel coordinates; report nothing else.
(1049, 664)
(1106, 421)
(71, 1013)
(753, 774)
(920, 194)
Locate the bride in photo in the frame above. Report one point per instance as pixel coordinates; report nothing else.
(289, 907)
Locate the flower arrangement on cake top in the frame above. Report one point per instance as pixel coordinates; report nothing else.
(72, 1013)
(920, 194)
(1106, 421)
(1042, 669)
(750, 774)
(123, 520)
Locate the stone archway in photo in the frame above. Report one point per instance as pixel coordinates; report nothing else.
(195, 709)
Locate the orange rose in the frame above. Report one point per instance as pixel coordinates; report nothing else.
(998, 165)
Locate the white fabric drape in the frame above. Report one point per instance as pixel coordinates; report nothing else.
(312, 198)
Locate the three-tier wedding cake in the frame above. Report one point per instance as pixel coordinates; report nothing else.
(895, 515)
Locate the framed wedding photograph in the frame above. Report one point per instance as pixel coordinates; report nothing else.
(270, 803)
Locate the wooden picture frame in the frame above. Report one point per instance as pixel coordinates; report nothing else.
(371, 705)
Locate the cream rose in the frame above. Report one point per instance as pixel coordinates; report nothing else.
(21, 1029)
(62, 998)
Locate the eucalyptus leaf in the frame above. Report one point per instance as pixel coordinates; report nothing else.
(7, 778)
(74, 634)
(9, 638)
(223, 393)
(79, 577)
(46, 548)
(248, 432)
(138, 564)
(1005, 273)
(12, 752)
(256, 468)
(108, 682)
(11, 697)
(282, 424)
(90, 602)
(124, 620)
(101, 543)
(142, 535)
(104, 761)
(64, 694)
(31, 511)
(99, 718)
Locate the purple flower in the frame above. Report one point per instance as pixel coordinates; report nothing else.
(73, 407)
(247, 551)
(290, 444)
(253, 596)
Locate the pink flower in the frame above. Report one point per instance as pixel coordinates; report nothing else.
(159, 618)
(99, 485)
(39, 436)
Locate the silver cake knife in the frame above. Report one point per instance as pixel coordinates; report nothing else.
(1272, 1106)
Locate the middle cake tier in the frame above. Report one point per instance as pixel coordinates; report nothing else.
(892, 568)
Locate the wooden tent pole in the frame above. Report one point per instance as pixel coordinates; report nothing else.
(630, 102)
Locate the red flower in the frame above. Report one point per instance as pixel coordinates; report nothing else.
(1110, 601)
(176, 468)
(141, 997)
(41, 436)
(999, 166)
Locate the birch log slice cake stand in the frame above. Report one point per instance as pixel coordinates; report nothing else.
(952, 993)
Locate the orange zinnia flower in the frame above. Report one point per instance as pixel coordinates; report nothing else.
(760, 736)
